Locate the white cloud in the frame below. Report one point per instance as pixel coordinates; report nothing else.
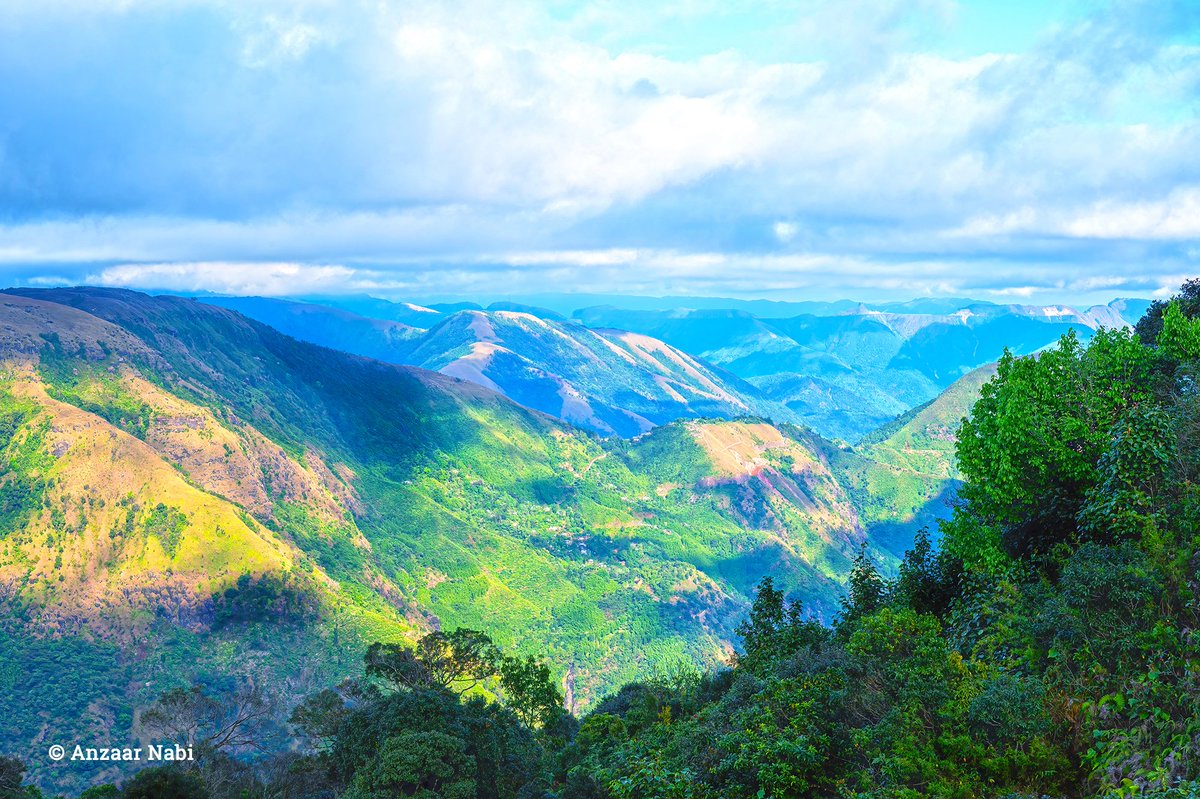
(558, 122)
(610, 257)
(266, 279)
(1024, 292)
(491, 138)
(785, 231)
(1175, 217)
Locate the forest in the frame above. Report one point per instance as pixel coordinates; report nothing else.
(1045, 641)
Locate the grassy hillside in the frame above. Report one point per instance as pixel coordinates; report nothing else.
(186, 491)
(923, 439)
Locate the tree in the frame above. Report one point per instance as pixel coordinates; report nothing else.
(774, 629)
(648, 778)
(1029, 448)
(318, 718)
(866, 589)
(190, 717)
(159, 783)
(1187, 300)
(928, 580)
(424, 765)
(530, 690)
(1133, 472)
(458, 660)
(12, 773)
(1179, 333)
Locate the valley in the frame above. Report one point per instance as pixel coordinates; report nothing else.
(188, 493)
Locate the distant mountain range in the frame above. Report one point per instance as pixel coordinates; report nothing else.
(841, 368)
(610, 381)
(186, 492)
(848, 373)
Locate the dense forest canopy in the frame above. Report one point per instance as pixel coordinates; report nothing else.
(1043, 643)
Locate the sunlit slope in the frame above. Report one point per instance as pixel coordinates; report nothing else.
(411, 499)
(771, 480)
(426, 499)
(923, 439)
(121, 502)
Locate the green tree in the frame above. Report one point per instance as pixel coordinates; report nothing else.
(928, 580)
(1133, 473)
(458, 660)
(101, 792)
(647, 777)
(1179, 338)
(423, 765)
(866, 589)
(774, 630)
(319, 717)
(1029, 448)
(528, 687)
(159, 783)
(1187, 300)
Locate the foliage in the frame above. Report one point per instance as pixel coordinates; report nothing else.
(156, 783)
(1187, 301)
(775, 630)
(423, 765)
(460, 659)
(1030, 447)
(287, 599)
(529, 690)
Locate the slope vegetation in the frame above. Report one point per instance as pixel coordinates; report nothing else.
(185, 491)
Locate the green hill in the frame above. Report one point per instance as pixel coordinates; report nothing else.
(185, 492)
(923, 439)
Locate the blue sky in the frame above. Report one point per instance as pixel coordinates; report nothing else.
(1023, 151)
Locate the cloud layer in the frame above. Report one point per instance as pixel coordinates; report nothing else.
(788, 148)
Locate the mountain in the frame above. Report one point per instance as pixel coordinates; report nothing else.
(185, 492)
(419, 316)
(841, 368)
(922, 440)
(845, 374)
(609, 381)
(384, 339)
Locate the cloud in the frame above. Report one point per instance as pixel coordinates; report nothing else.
(268, 279)
(648, 145)
(646, 272)
(1175, 217)
(785, 231)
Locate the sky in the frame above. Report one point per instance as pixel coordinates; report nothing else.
(1011, 150)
